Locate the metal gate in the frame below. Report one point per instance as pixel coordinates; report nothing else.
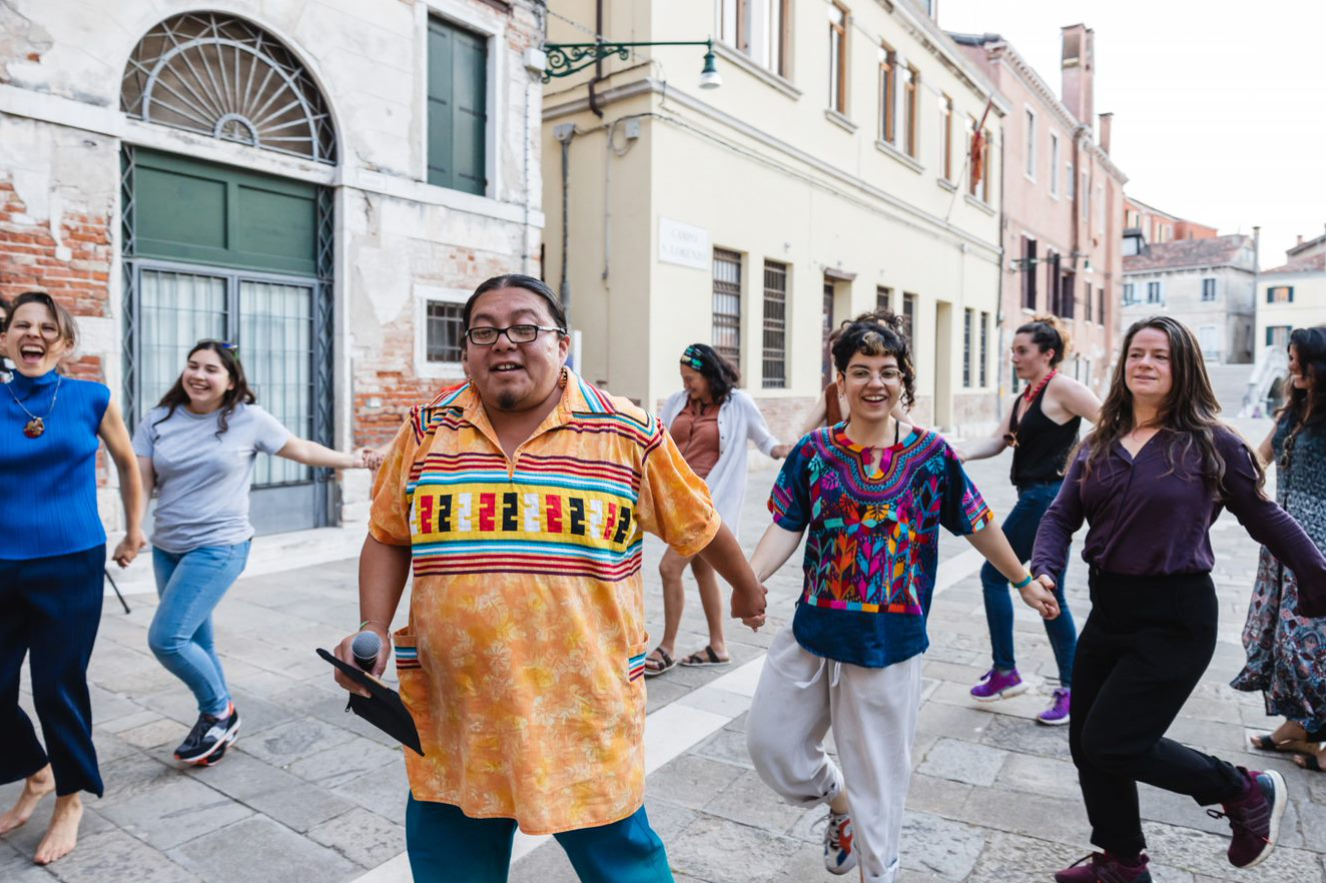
(280, 322)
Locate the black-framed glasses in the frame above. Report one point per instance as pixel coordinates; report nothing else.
(487, 335)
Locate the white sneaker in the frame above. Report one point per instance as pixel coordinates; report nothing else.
(839, 856)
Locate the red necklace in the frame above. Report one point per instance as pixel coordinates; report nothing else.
(1031, 394)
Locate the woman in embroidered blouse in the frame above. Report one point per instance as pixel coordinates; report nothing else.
(1150, 481)
(873, 494)
(711, 421)
(1286, 660)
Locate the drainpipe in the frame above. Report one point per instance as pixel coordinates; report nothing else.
(564, 133)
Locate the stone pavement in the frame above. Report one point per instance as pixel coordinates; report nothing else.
(309, 793)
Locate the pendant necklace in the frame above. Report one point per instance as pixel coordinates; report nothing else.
(36, 426)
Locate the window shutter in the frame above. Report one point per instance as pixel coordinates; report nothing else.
(457, 107)
(471, 120)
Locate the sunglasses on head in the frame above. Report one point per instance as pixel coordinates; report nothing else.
(224, 344)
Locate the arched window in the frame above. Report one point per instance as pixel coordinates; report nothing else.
(225, 77)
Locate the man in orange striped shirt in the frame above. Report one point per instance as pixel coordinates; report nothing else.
(519, 501)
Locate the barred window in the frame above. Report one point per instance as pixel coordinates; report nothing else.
(727, 305)
(967, 319)
(985, 347)
(775, 325)
(444, 341)
(883, 298)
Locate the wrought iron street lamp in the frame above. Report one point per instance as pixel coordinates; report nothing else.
(565, 59)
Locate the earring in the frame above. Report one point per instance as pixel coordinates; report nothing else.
(561, 381)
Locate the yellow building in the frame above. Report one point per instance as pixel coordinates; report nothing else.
(829, 174)
(1290, 296)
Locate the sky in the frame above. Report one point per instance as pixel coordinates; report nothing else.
(1219, 106)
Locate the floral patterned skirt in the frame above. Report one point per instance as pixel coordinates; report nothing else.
(1286, 652)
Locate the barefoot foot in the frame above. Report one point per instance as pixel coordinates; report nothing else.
(62, 835)
(37, 786)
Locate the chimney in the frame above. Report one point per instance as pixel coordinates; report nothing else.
(1300, 239)
(1079, 70)
(1103, 137)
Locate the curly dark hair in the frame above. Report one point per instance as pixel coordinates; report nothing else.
(717, 371)
(872, 335)
(176, 395)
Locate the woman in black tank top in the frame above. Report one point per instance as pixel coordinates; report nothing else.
(1041, 426)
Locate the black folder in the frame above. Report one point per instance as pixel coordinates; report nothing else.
(384, 709)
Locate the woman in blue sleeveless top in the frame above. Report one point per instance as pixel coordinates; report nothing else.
(52, 554)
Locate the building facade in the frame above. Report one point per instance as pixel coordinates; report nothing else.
(1144, 224)
(1292, 295)
(1063, 203)
(320, 182)
(830, 174)
(1206, 283)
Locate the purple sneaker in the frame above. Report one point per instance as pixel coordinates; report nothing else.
(1255, 817)
(996, 684)
(1057, 714)
(1105, 868)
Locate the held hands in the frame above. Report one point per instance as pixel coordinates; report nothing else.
(749, 607)
(366, 458)
(343, 653)
(134, 542)
(1039, 595)
(779, 452)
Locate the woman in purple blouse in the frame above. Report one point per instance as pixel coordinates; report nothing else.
(1149, 482)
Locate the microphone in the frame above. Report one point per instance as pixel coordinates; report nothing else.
(365, 648)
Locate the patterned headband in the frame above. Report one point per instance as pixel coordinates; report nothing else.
(693, 358)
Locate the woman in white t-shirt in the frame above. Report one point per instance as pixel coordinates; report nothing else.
(197, 448)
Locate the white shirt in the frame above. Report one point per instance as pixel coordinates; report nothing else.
(739, 421)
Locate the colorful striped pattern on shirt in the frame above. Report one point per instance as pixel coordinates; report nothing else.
(565, 513)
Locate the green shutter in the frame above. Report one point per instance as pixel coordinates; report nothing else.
(190, 210)
(457, 107)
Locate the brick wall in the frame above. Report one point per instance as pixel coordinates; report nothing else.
(75, 269)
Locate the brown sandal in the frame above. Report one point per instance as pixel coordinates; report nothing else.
(707, 656)
(657, 665)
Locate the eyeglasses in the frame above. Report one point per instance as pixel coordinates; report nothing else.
(888, 376)
(1288, 456)
(487, 336)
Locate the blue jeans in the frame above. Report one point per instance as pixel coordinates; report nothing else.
(1020, 528)
(190, 585)
(447, 846)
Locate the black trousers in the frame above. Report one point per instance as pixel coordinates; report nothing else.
(1145, 646)
(50, 609)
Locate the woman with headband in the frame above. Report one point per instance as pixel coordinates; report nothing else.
(711, 421)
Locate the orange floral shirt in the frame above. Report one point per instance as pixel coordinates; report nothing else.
(523, 659)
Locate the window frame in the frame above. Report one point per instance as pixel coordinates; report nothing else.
(736, 258)
(946, 136)
(840, 67)
(780, 357)
(968, 345)
(1029, 134)
(888, 87)
(1054, 163)
(1159, 289)
(425, 295)
(912, 111)
(984, 365)
(1208, 289)
(1273, 298)
(1029, 293)
(1130, 293)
